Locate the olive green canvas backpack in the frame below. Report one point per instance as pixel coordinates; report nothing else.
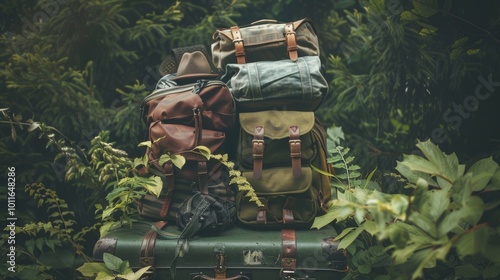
(275, 152)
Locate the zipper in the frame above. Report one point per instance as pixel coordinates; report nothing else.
(196, 88)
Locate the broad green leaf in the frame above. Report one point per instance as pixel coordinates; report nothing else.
(412, 176)
(424, 223)
(482, 171)
(371, 227)
(105, 276)
(339, 211)
(350, 237)
(112, 262)
(145, 144)
(474, 242)
(107, 212)
(399, 236)
(345, 232)
(437, 201)
(204, 151)
(164, 158)
(471, 213)
(178, 160)
(447, 166)
(409, 15)
(141, 161)
(140, 272)
(459, 42)
(494, 184)
(426, 8)
(416, 234)
(154, 185)
(90, 269)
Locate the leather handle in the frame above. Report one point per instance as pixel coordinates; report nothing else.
(264, 21)
(258, 151)
(206, 277)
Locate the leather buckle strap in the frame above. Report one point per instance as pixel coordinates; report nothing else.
(295, 151)
(288, 253)
(291, 42)
(202, 176)
(258, 151)
(147, 257)
(287, 210)
(239, 45)
(169, 175)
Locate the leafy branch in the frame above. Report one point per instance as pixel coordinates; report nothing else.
(446, 211)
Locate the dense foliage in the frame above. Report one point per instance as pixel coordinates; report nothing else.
(74, 73)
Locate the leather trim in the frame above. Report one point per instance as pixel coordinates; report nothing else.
(239, 46)
(202, 176)
(147, 257)
(288, 250)
(291, 42)
(258, 151)
(288, 210)
(169, 175)
(295, 151)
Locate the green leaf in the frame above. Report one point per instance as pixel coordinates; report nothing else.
(140, 272)
(164, 158)
(112, 262)
(491, 272)
(474, 242)
(447, 166)
(178, 161)
(90, 269)
(339, 210)
(145, 144)
(371, 227)
(426, 8)
(105, 276)
(399, 204)
(482, 171)
(437, 201)
(350, 237)
(424, 223)
(345, 232)
(154, 185)
(413, 176)
(204, 151)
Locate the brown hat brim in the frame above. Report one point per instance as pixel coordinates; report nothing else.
(194, 76)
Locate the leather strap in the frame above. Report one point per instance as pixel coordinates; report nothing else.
(287, 210)
(206, 277)
(169, 175)
(295, 151)
(202, 176)
(291, 42)
(288, 251)
(147, 257)
(262, 216)
(258, 151)
(239, 46)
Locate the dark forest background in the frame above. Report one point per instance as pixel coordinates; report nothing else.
(71, 70)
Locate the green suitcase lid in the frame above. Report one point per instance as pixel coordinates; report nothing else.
(277, 123)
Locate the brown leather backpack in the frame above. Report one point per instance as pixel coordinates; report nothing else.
(198, 111)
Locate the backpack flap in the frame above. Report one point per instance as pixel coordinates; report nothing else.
(264, 40)
(176, 105)
(276, 138)
(288, 201)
